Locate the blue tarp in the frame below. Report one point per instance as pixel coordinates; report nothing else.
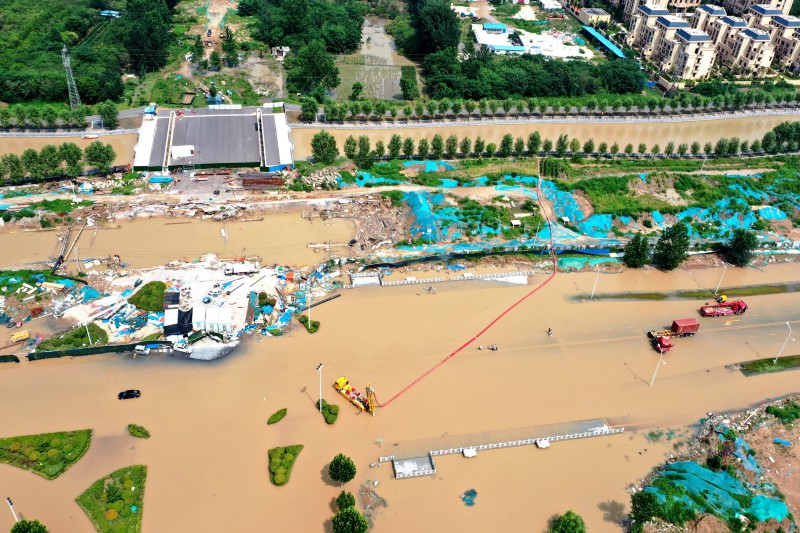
(160, 179)
(605, 42)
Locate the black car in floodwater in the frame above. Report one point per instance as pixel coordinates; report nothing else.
(128, 394)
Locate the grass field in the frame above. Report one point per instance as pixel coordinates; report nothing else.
(736, 292)
(114, 503)
(47, 454)
(766, 366)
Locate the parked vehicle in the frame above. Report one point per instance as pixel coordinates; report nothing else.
(683, 327)
(182, 347)
(141, 349)
(240, 269)
(736, 307)
(129, 394)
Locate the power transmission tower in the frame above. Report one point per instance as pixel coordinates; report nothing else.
(74, 98)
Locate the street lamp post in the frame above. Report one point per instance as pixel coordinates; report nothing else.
(319, 369)
(11, 506)
(595, 281)
(725, 267)
(789, 336)
(660, 360)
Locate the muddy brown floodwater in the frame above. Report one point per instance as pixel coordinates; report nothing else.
(207, 466)
(649, 133)
(280, 238)
(122, 144)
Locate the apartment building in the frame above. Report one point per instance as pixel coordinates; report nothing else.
(740, 7)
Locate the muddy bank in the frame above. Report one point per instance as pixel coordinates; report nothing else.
(278, 238)
(649, 133)
(122, 144)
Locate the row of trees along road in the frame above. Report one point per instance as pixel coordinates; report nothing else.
(325, 149)
(50, 161)
(673, 246)
(348, 519)
(458, 108)
(26, 116)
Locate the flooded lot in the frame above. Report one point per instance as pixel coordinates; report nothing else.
(649, 133)
(207, 455)
(122, 144)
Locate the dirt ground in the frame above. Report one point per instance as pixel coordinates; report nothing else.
(122, 144)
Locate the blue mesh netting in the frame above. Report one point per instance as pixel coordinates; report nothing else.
(429, 166)
(596, 225)
(365, 177)
(772, 213)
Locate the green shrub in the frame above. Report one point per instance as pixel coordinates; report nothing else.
(108, 500)
(27, 452)
(329, 411)
(281, 463)
(138, 431)
(787, 414)
(150, 297)
(276, 417)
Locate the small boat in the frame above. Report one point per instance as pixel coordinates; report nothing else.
(542, 443)
(90, 136)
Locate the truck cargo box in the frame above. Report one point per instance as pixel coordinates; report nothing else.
(684, 326)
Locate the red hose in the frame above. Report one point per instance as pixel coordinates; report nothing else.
(493, 322)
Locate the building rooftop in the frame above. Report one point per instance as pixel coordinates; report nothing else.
(789, 21)
(693, 35)
(734, 22)
(756, 35)
(492, 26)
(508, 48)
(595, 11)
(671, 22)
(711, 9)
(653, 11)
(614, 49)
(766, 9)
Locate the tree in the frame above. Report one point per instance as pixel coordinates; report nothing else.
(35, 117)
(439, 27)
(423, 148)
(451, 146)
(349, 520)
(28, 526)
(637, 252)
(342, 468)
(216, 60)
(108, 113)
(100, 156)
(534, 142)
(32, 163)
(670, 149)
(695, 148)
(588, 147)
(547, 146)
(740, 248)
(72, 155)
(629, 149)
(491, 149)
(562, 144)
(615, 148)
(672, 247)
(350, 147)
(642, 148)
(644, 506)
(309, 109)
(365, 157)
(506, 145)
(146, 34)
(683, 148)
(311, 67)
(408, 147)
(395, 145)
(480, 146)
(409, 89)
(437, 146)
(656, 149)
(602, 148)
(355, 94)
(345, 500)
(519, 146)
(380, 109)
(466, 146)
(323, 147)
(50, 160)
(5, 117)
(755, 146)
(569, 522)
(708, 148)
(574, 145)
(12, 167)
(50, 116)
(230, 47)
(198, 50)
(469, 107)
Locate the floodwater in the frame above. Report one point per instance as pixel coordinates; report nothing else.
(649, 133)
(122, 144)
(279, 238)
(207, 456)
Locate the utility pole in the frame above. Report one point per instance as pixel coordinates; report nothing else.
(11, 506)
(595, 281)
(789, 336)
(725, 265)
(319, 369)
(74, 97)
(660, 360)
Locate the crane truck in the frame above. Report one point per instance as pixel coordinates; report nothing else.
(736, 307)
(682, 327)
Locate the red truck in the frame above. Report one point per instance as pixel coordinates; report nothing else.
(683, 327)
(736, 307)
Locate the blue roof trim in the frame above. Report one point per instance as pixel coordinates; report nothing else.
(736, 23)
(712, 9)
(755, 35)
(672, 23)
(694, 38)
(613, 48)
(492, 26)
(508, 47)
(785, 21)
(766, 10)
(647, 10)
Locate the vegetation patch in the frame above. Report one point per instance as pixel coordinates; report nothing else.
(312, 326)
(152, 337)
(752, 290)
(10, 280)
(276, 417)
(281, 461)
(60, 205)
(150, 297)
(138, 431)
(47, 454)
(766, 366)
(787, 414)
(114, 503)
(329, 411)
(395, 196)
(76, 338)
(9, 359)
